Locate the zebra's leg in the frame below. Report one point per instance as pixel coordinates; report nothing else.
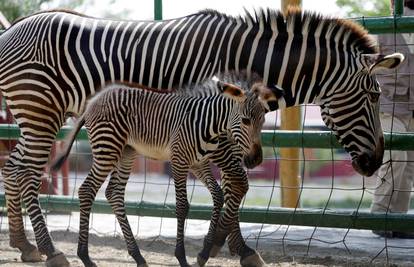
(248, 256)
(34, 151)
(18, 237)
(104, 161)
(225, 157)
(115, 193)
(222, 229)
(179, 174)
(235, 186)
(203, 172)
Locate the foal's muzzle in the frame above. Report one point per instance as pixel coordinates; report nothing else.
(254, 158)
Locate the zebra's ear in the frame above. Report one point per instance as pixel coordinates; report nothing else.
(231, 90)
(376, 62)
(268, 95)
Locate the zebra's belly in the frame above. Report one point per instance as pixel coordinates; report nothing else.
(158, 153)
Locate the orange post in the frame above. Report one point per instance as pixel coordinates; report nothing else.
(54, 175)
(289, 163)
(65, 174)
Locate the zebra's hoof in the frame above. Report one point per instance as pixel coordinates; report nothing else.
(31, 255)
(214, 251)
(58, 260)
(143, 265)
(253, 260)
(201, 261)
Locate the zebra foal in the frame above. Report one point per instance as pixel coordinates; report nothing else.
(185, 129)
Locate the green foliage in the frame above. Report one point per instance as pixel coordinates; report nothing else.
(358, 8)
(13, 9)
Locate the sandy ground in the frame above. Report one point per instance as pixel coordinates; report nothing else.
(110, 251)
(278, 245)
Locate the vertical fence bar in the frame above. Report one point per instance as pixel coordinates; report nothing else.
(289, 163)
(398, 7)
(158, 9)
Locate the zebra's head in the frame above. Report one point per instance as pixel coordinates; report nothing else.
(248, 116)
(353, 115)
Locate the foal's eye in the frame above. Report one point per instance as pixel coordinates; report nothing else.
(246, 121)
(374, 97)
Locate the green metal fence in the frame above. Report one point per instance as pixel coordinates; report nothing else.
(303, 217)
(287, 216)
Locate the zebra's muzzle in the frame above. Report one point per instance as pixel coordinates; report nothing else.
(369, 162)
(366, 164)
(254, 158)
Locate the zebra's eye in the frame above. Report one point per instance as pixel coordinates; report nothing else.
(246, 121)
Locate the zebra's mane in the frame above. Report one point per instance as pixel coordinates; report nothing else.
(297, 21)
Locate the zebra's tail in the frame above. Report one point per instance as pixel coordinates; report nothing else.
(58, 162)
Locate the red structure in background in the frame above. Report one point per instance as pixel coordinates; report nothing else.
(7, 146)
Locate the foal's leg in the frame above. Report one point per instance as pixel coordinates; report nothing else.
(225, 156)
(179, 174)
(237, 245)
(235, 187)
(104, 162)
(115, 193)
(203, 172)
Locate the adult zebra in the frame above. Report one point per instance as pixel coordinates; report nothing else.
(52, 61)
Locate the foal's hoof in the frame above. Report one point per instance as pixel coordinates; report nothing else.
(58, 260)
(201, 261)
(215, 249)
(31, 255)
(253, 260)
(143, 265)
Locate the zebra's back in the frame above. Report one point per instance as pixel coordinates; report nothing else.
(148, 121)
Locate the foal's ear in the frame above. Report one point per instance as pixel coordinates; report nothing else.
(231, 90)
(268, 95)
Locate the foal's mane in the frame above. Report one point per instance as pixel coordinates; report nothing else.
(241, 79)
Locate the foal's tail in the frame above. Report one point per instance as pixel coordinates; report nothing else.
(58, 162)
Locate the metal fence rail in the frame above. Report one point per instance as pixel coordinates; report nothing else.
(270, 138)
(287, 216)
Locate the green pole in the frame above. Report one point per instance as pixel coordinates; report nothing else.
(398, 7)
(158, 9)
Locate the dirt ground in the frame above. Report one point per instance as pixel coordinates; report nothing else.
(111, 251)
